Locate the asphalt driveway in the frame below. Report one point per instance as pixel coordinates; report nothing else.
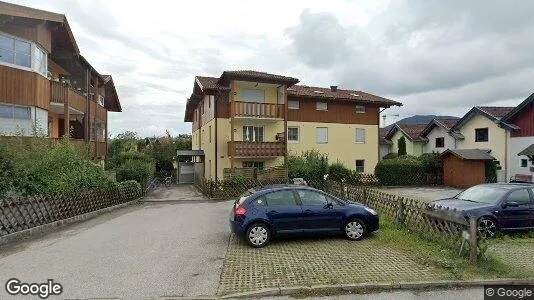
(145, 250)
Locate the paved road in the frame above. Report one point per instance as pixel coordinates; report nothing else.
(145, 250)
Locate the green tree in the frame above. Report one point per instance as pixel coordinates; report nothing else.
(402, 146)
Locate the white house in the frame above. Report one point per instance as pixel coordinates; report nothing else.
(439, 135)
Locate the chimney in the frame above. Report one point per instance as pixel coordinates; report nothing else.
(333, 88)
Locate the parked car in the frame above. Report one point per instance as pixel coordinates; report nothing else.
(285, 210)
(497, 206)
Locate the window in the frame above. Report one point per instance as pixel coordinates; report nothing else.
(440, 142)
(22, 53)
(312, 198)
(209, 101)
(15, 112)
(360, 135)
(360, 165)
(321, 135)
(252, 134)
(321, 106)
(258, 165)
(253, 95)
(524, 163)
(481, 135)
(210, 134)
(293, 134)
(360, 109)
(521, 196)
(292, 104)
(101, 101)
(280, 198)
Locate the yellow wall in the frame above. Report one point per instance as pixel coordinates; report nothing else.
(271, 92)
(496, 137)
(209, 148)
(412, 148)
(341, 144)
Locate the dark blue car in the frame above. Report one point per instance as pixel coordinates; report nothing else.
(263, 213)
(497, 206)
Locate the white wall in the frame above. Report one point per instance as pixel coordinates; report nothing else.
(384, 150)
(437, 132)
(517, 145)
(38, 119)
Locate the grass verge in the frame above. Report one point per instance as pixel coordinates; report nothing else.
(431, 253)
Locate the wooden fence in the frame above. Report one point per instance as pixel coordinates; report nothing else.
(17, 214)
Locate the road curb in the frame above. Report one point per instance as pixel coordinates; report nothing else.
(375, 287)
(46, 228)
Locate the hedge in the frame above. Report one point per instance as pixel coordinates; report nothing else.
(400, 171)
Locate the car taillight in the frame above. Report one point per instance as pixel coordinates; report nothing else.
(240, 211)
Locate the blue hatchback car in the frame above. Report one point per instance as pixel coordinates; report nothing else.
(271, 211)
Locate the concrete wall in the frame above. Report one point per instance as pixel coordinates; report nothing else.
(341, 144)
(438, 132)
(496, 138)
(517, 145)
(38, 120)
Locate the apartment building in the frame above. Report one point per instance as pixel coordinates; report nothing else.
(250, 119)
(47, 87)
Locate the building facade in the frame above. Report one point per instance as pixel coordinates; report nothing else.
(248, 119)
(48, 88)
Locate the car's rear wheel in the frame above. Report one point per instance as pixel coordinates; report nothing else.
(355, 229)
(258, 235)
(487, 227)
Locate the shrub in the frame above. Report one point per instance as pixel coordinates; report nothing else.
(337, 171)
(136, 170)
(390, 156)
(129, 184)
(123, 157)
(402, 146)
(431, 162)
(399, 171)
(311, 165)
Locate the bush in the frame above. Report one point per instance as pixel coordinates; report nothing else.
(129, 184)
(399, 171)
(337, 171)
(402, 146)
(136, 170)
(431, 162)
(37, 166)
(390, 156)
(311, 165)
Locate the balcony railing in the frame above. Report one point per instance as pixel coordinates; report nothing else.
(260, 149)
(60, 92)
(258, 110)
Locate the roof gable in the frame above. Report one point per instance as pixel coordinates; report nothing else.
(411, 131)
(469, 154)
(493, 113)
(519, 108)
(445, 124)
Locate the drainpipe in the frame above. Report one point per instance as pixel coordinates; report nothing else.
(215, 135)
(378, 125)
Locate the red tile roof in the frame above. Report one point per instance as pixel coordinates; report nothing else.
(255, 75)
(413, 130)
(208, 82)
(448, 122)
(496, 111)
(340, 94)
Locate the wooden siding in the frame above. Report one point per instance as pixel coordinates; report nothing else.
(338, 112)
(257, 149)
(525, 120)
(76, 100)
(258, 110)
(223, 104)
(463, 173)
(24, 88)
(37, 33)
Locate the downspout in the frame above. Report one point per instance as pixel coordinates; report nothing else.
(378, 124)
(215, 135)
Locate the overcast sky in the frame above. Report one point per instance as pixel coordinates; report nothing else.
(436, 57)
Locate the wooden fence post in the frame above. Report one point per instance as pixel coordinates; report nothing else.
(473, 239)
(400, 211)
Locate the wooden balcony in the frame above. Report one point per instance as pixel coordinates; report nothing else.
(59, 93)
(258, 110)
(256, 149)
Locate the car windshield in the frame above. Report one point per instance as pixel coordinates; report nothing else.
(482, 194)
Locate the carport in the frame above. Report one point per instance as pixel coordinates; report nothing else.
(464, 168)
(190, 165)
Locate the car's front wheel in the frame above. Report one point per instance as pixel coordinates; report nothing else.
(355, 229)
(258, 235)
(487, 227)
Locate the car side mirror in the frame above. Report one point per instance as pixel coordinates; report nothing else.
(510, 204)
(329, 205)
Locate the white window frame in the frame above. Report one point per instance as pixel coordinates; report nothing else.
(255, 91)
(318, 103)
(356, 165)
(360, 109)
(298, 135)
(317, 135)
(254, 133)
(33, 48)
(356, 136)
(293, 107)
